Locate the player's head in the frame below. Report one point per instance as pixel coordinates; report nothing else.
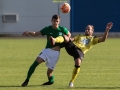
(89, 30)
(55, 21)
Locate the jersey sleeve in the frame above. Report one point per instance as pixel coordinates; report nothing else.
(44, 31)
(95, 40)
(64, 30)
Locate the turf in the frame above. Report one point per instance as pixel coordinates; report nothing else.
(100, 69)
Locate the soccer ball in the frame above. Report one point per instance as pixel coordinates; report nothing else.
(65, 8)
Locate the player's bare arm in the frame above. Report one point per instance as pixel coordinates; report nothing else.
(27, 33)
(108, 27)
(72, 39)
(69, 34)
(67, 37)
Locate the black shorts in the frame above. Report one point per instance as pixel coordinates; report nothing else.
(73, 50)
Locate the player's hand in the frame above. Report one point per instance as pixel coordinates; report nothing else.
(26, 33)
(109, 25)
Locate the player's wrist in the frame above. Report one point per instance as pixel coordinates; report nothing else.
(29, 32)
(107, 30)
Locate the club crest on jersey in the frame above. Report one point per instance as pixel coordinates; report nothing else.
(60, 33)
(85, 41)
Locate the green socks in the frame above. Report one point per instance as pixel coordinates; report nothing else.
(51, 79)
(32, 69)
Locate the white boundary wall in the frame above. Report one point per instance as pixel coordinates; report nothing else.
(33, 15)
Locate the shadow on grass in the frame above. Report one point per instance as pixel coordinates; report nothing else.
(21, 86)
(105, 88)
(26, 86)
(10, 86)
(63, 88)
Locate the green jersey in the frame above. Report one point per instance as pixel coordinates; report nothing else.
(50, 31)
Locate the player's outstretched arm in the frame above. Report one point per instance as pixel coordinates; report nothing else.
(108, 27)
(27, 33)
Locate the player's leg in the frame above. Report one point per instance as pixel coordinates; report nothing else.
(59, 39)
(76, 70)
(32, 69)
(52, 59)
(50, 77)
(78, 56)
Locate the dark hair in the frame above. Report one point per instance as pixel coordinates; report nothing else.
(55, 17)
(92, 27)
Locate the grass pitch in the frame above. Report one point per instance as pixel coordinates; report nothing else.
(100, 69)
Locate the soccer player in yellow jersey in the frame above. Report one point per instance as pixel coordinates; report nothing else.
(79, 45)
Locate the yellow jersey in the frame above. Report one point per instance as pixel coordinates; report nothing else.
(85, 42)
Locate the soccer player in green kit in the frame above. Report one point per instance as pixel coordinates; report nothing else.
(51, 53)
(79, 45)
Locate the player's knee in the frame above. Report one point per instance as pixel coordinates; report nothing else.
(77, 66)
(78, 61)
(66, 38)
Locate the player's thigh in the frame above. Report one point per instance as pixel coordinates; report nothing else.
(52, 59)
(66, 38)
(39, 60)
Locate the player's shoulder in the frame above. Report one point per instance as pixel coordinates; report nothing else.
(48, 26)
(95, 37)
(81, 35)
(78, 36)
(62, 27)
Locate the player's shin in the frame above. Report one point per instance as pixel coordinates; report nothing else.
(76, 70)
(32, 69)
(30, 72)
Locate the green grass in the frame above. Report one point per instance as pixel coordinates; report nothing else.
(100, 69)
